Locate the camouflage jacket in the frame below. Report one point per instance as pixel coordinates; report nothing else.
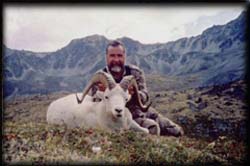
(140, 79)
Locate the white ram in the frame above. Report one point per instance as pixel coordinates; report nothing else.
(109, 114)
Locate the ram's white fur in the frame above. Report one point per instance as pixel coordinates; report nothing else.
(104, 114)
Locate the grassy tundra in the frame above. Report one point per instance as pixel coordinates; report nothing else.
(213, 119)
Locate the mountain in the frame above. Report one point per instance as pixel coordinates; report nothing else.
(212, 58)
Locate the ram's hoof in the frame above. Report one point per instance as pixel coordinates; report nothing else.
(146, 130)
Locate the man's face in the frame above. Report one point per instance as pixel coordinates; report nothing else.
(115, 59)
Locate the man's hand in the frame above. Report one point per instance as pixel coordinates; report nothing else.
(101, 87)
(131, 90)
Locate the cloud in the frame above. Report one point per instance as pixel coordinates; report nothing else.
(44, 28)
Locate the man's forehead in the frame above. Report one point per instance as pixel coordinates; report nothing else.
(116, 49)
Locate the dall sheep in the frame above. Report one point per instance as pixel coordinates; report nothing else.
(109, 114)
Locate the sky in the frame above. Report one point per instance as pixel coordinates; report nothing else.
(49, 28)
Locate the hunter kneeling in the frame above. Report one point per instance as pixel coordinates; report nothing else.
(153, 121)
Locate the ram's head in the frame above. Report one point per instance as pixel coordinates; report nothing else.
(115, 95)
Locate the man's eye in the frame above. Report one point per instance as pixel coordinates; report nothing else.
(119, 55)
(112, 55)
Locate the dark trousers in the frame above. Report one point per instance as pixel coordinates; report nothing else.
(154, 120)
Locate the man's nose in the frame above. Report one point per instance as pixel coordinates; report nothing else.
(116, 59)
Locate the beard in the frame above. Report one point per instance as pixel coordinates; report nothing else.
(116, 67)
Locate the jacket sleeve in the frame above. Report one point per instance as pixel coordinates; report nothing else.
(140, 79)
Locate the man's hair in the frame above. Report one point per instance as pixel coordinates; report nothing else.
(115, 43)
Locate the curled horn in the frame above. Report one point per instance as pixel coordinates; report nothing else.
(130, 80)
(106, 79)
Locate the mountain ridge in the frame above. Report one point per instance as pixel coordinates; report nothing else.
(218, 50)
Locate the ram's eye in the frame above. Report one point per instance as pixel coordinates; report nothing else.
(126, 99)
(106, 97)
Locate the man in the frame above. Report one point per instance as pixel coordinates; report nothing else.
(115, 59)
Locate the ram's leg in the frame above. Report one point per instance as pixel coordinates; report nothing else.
(135, 126)
(150, 124)
(67, 132)
(66, 136)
